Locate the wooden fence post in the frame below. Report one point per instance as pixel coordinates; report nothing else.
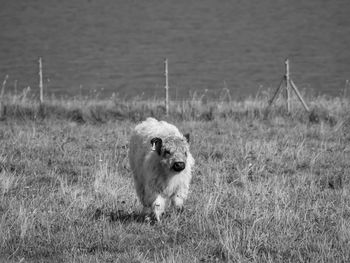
(166, 72)
(289, 86)
(2, 106)
(41, 86)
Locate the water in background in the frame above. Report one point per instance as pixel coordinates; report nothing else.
(108, 46)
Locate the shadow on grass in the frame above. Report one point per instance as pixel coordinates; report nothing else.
(123, 216)
(127, 217)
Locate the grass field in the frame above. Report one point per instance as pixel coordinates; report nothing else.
(266, 187)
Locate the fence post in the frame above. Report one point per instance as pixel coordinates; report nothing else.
(166, 72)
(2, 106)
(41, 87)
(287, 76)
(289, 86)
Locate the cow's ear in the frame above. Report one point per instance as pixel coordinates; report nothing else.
(187, 136)
(156, 144)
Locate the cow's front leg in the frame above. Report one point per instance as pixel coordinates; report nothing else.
(158, 207)
(178, 202)
(179, 197)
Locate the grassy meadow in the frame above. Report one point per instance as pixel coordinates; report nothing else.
(267, 187)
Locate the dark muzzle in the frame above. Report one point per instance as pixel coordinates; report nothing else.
(179, 166)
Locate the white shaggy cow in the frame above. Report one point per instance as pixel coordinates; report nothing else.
(161, 164)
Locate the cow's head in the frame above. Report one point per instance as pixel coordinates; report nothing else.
(172, 151)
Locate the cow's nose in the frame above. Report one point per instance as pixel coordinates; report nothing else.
(179, 166)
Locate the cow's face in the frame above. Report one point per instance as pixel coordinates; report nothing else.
(172, 151)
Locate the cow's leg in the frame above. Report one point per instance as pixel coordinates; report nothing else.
(179, 197)
(158, 207)
(178, 202)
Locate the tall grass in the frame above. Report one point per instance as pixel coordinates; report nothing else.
(267, 187)
(199, 107)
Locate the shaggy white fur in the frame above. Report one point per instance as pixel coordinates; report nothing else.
(161, 164)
